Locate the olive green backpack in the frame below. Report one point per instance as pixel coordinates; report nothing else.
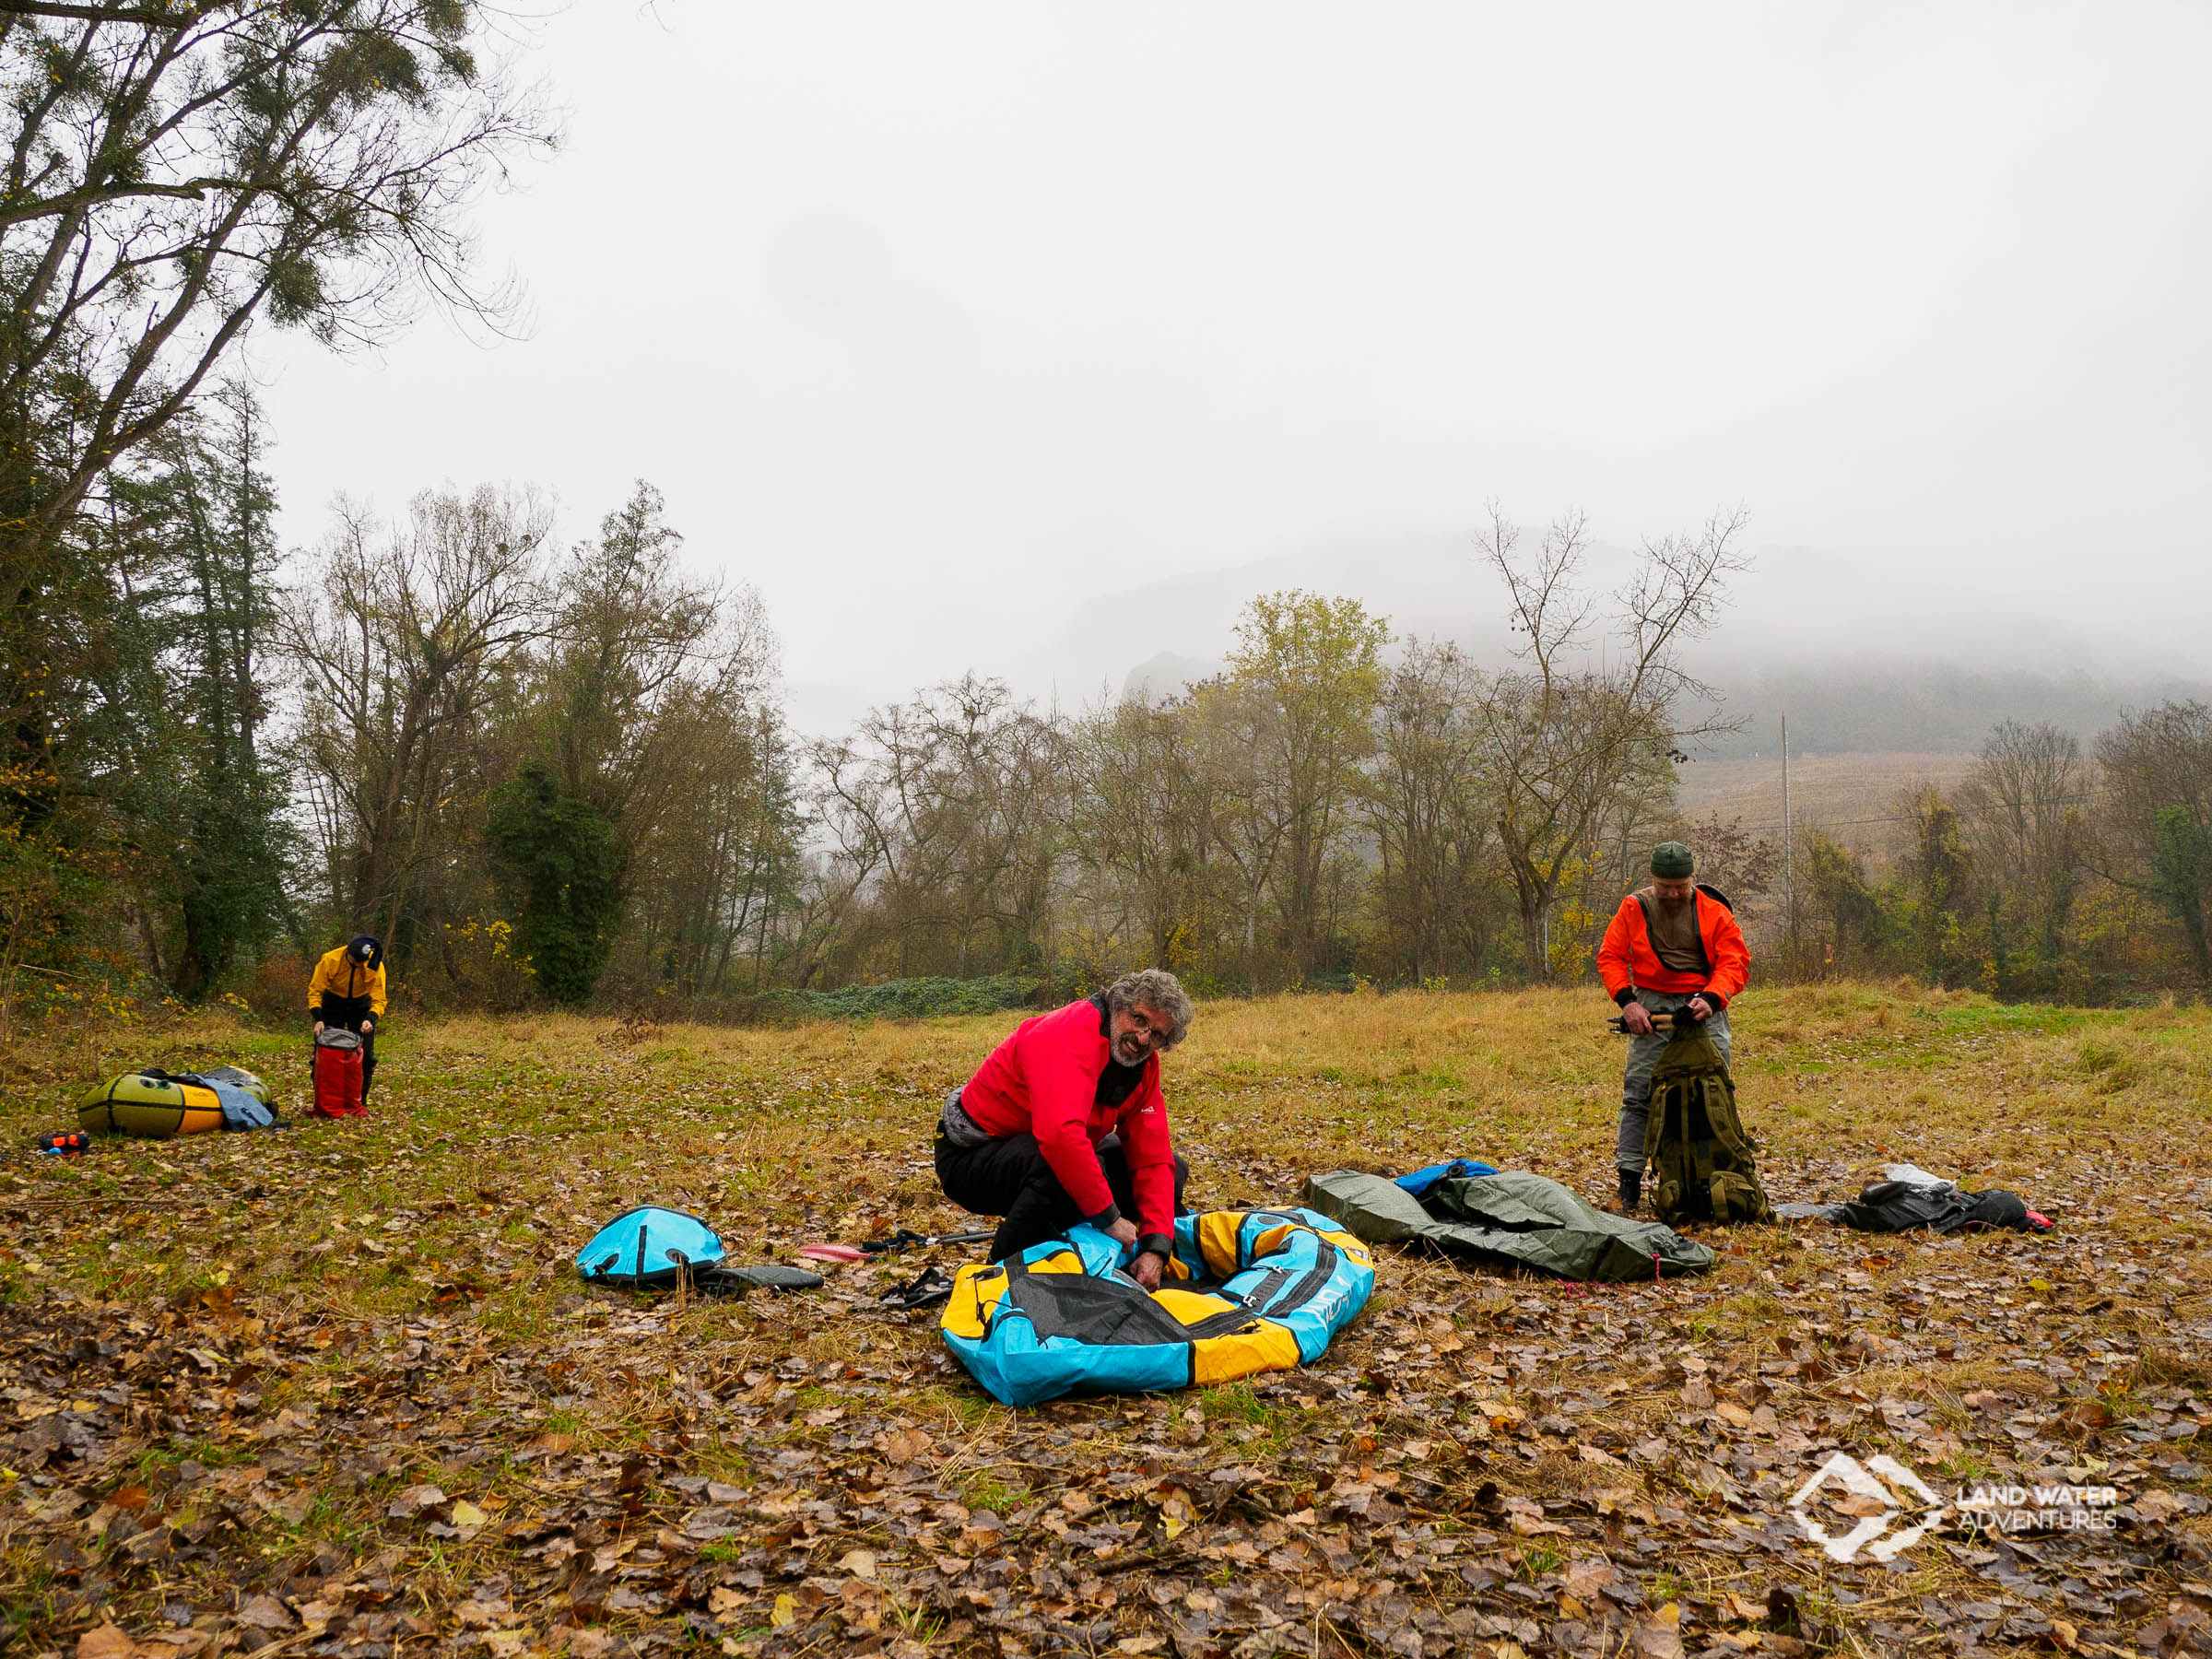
(1702, 1162)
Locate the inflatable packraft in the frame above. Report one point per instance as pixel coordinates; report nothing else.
(1245, 1291)
(152, 1105)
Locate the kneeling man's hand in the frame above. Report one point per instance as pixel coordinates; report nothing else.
(1123, 1231)
(1145, 1270)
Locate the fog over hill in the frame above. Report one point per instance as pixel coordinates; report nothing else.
(1008, 341)
(1876, 706)
(1860, 663)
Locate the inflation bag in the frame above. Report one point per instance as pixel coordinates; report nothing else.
(152, 1105)
(338, 1075)
(1244, 1291)
(650, 1246)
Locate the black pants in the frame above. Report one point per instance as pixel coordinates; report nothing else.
(1008, 1177)
(347, 1014)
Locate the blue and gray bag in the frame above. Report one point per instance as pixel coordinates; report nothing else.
(650, 1248)
(647, 1247)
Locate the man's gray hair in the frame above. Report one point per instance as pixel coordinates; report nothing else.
(1159, 991)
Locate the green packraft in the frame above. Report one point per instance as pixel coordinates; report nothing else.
(1702, 1162)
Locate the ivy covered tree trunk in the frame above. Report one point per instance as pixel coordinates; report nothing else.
(2181, 872)
(557, 857)
(170, 734)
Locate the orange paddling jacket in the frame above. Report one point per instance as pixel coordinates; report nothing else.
(1626, 961)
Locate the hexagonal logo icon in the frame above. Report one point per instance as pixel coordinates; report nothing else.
(1881, 1479)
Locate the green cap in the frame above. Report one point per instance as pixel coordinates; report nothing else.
(1673, 861)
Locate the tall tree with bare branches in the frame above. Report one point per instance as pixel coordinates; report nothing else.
(1427, 807)
(2156, 821)
(2024, 810)
(1143, 825)
(1571, 736)
(170, 175)
(404, 645)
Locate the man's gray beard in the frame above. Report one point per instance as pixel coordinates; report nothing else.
(1671, 906)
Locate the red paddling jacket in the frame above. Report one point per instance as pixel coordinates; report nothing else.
(1055, 1079)
(1627, 959)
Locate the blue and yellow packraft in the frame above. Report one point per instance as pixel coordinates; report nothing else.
(1244, 1291)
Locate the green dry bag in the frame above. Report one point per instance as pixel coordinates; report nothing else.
(1703, 1165)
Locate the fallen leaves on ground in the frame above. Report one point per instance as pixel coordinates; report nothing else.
(332, 1392)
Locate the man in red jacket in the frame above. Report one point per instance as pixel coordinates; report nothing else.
(1064, 1122)
(1673, 948)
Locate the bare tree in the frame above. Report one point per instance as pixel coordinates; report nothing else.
(1143, 823)
(1235, 729)
(715, 862)
(2155, 829)
(1428, 806)
(2023, 807)
(947, 812)
(1571, 739)
(402, 644)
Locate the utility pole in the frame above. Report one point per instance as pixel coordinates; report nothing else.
(1789, 850)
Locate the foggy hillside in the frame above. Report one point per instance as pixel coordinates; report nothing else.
(1858, 706)
(1865, 705)
(1858, 667)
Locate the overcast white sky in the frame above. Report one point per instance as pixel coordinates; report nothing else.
(948, 325)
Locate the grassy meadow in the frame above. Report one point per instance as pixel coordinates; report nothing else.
(333, 1389)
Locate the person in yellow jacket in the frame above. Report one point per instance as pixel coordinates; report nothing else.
(346, 990)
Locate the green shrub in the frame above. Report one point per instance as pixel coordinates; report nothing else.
(898, 999)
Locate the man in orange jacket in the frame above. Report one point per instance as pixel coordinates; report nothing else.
(1674, 948)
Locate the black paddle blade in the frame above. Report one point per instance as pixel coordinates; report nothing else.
(767, 1275)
